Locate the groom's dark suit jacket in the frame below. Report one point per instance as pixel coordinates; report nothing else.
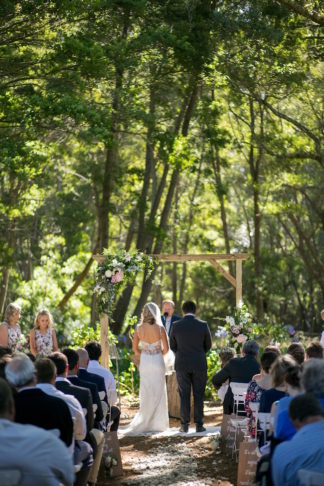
(190, 340)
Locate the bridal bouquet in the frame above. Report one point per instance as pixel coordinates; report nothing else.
(118, 269)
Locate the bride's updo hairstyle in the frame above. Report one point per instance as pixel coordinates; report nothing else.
(147, 315)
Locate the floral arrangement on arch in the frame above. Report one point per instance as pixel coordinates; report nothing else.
(238, 329)
(116, 270)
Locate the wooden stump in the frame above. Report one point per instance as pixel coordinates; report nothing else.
(174, 398)
(111, 450)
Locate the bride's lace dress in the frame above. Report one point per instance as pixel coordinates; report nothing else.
(153, 414)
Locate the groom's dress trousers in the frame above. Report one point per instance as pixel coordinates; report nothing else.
(190, 340)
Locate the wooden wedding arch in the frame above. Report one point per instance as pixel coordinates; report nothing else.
(212, 258)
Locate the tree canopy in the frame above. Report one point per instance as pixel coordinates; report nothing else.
(183, 126)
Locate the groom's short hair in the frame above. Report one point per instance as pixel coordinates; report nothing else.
(189, 307)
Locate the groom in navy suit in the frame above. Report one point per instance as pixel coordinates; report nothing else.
(168, 317)
(190, 340)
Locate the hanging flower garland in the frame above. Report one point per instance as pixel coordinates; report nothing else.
(116, 270)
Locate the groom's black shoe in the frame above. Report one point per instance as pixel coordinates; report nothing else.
(200, 428)
(184, 428)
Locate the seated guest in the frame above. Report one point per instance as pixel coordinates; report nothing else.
(5, 351)
(272, 348)
(283, 428)
(113, 412)
(314, 350)
(225, 355)
(238, 370)
(94, 436)
(73, 360)
(306, 449)
(46, 375)
(278, 390)
(261, 382)
(312, 378)
(296, 350)
(39, 456)
(85, 374)
(94, 351)
(3, 363)
(32, 405)
(83, 395)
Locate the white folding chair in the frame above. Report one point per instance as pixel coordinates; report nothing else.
(94, 406)
(310, 478)
(102, 395)
(264, 422)
(239, 422)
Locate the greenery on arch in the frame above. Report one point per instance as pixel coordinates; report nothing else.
(118, 268)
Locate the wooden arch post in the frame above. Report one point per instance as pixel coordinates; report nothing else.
(104, 326)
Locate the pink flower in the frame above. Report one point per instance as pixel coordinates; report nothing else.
(236, 330)
(118, 277)
(250, 329)
(241, 338)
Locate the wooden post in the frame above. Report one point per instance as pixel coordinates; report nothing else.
(239, 300)
(104, 323)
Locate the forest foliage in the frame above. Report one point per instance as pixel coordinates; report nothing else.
(183, 126)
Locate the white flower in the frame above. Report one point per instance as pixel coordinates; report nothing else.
(227, 319)
(108, 273)
(102, 289)
(139, 258)
(115, 262)
(231, 321)
(128, 257)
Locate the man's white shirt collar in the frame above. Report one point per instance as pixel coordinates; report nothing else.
(61, 378)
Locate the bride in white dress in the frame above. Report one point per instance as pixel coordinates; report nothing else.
(151, 343)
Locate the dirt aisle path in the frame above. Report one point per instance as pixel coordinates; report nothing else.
(178, 460)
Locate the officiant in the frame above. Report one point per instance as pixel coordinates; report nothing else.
(168, 317)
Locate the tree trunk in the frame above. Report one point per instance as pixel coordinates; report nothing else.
(254, 163)
(4, 288)
(220, 194)
(187, 235)
(175, 249)
(147, 283)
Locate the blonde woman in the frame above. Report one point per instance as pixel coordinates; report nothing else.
(43, 338)
(10, 332)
